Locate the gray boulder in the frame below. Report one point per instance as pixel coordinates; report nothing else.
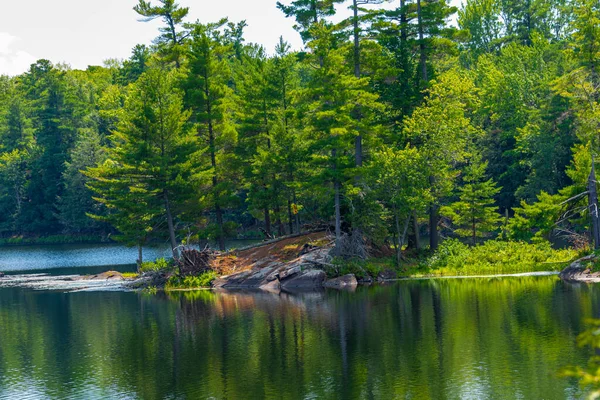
(343, 282)
(308, 279)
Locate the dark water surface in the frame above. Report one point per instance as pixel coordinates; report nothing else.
(428, 339)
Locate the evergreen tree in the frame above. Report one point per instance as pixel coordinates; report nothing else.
(474, 215)
(212, 101)
(153, 155)
(307, 13)
(172, 38)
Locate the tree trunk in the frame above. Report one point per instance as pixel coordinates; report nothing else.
(140, 259)
(338, 214)
(593, 204)
(171, 226)
(268, 222)
(417, 232)
(433, 227)
(221, 238)
(290, 217)
(213, 162)
(358, 150)
(280, 228)
(297, 216)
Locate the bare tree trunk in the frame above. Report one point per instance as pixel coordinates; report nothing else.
(171, 226)
(593, 204)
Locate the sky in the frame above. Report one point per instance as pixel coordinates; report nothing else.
(87, 32)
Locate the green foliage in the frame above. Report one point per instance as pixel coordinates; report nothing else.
(204, 134)
(159, 265)
(494, 257)
(588, 375)
(475, 215)
(535, 221)
(191, 282)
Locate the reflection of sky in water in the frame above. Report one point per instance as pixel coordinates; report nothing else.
(24, 258)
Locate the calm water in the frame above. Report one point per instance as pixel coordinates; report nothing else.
(428, 339)
(53, 257)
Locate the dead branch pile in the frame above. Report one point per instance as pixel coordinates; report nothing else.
(352, 246)
(193, 262)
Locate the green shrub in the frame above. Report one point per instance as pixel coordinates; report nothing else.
(160, 265)
(203, 280)
(495, 257)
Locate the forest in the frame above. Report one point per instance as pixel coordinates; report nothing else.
(393, 127)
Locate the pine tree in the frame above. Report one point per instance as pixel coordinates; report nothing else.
(171, 40)
(331, 98)
(475, 215)
(212, 102)
(153, 156)
(307, 13)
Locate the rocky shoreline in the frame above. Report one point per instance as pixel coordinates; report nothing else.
(582, 270)
(302, 273)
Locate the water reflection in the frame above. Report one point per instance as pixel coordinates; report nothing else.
(442, 339)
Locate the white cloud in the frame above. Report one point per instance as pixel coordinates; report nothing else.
(13, 61)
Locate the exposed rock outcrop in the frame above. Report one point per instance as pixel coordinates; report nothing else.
(582, 270)
(299, 274)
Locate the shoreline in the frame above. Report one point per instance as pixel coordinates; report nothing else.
(81, 283)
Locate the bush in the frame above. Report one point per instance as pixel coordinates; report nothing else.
(203, 280)
(160, 265)
(495, 257)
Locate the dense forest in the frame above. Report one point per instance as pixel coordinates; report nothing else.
(427, 120)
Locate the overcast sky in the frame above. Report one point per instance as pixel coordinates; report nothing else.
(87, 32)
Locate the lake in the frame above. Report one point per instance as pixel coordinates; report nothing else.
(493, 338)
(55, 258)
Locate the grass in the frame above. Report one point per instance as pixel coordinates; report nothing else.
(130, 275)
(493, 258)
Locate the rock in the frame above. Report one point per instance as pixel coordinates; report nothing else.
(387, 275)
(343, 282)
(288, 272)
(106, 276)
(1, 274)
(272, 287)
(252, 279)
(580, 271)
(308, 279)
